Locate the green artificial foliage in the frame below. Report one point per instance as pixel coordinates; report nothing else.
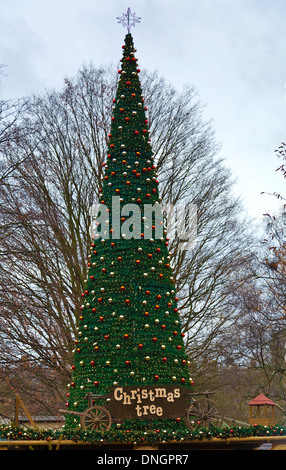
(129, 325)
(160, 435)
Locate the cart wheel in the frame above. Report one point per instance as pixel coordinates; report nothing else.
(203, 413)
(96, 418)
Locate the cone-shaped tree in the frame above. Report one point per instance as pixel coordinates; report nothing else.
(129, 327)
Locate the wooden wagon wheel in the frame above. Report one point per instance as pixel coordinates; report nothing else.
(96, 418)
(203, 413)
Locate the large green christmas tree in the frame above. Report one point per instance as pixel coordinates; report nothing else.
(129, 325)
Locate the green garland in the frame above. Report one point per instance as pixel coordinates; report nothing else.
(135, 437)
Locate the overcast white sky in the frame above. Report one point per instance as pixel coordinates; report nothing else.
(232, 51)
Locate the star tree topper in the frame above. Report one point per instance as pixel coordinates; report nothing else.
(128, 19)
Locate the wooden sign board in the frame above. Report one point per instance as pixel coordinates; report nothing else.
(150, 402)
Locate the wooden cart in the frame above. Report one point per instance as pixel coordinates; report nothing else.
(198, 409)
(203, 412)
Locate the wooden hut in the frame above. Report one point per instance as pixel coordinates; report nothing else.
(262, 411)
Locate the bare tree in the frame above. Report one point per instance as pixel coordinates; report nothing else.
(257, 341)
(45, 217)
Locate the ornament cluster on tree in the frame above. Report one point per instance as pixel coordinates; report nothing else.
(129, 329)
